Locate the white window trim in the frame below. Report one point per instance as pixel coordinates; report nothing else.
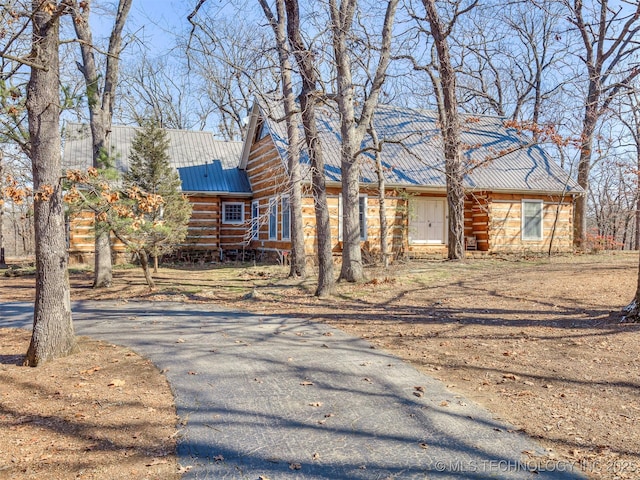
(284, 198)
(366, 223)
(522, 220)
(224, 213)
(273, 209)
(255, 220)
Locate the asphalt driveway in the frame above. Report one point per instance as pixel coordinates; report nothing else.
(280, 398)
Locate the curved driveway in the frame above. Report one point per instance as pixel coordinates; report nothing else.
(280, 398)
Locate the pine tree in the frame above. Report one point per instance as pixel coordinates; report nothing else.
(150, 172)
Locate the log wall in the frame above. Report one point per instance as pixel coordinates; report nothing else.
(505, 211)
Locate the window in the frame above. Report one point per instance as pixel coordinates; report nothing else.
(362, 214)
(532, 219)
(362, 211)
(255, 220)
(286, 218)
(232, 212)
(273, 219)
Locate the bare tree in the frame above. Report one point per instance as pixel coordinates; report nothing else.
(158, 89)
(450, 123)
(100, 100)
(278, 24)
(609, 41)
(53, 334)
(308, 99)
(510, 55)
(230, 64)
(354, 126)
(382, 199)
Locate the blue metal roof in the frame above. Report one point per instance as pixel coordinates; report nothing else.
(213, 177)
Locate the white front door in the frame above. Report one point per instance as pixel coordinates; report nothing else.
(427, 221)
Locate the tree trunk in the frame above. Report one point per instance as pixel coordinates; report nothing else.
(382, 208)
(100, 112)
(144, 263)
(304, 58)
(584, 169)
(352, 129)
(450, 134)
(298, 261)
(53, 334)
(352, 267)
(2, 259)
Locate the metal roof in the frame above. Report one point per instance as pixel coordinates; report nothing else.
(202, 162)
(412, 152)
(213, 177)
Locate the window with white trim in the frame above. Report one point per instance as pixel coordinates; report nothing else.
(362, 215)
(255, 219)
(362, 212)
(286, 217)
(532, 219)
(232, 212)
(273, 218)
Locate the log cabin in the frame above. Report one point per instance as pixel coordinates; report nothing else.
(518, 199)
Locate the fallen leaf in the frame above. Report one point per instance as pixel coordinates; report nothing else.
(180, 340)
(157, 461)
(306, 383)
(116, 383)
(218, 458)
(315, 404)
(510, 376)
(295, 466)
(192, 372)
(424, 446)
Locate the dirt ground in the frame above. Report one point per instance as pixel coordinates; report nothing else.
(537, 341)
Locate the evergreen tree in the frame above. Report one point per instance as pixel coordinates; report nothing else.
(150, 172)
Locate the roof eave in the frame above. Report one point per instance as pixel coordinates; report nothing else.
(217, 193)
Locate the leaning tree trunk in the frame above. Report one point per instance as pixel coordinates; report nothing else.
(53, 334)
(144, 263)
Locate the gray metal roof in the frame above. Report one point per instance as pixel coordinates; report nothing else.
(412, 152)
(203, 162)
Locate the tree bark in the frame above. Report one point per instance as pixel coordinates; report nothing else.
(382, 209)
(308, 96)
(53, 334)
(2, 258)
(450, 134)
(352, 130)
(298, 261)
(100, 112)
(144, 263)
